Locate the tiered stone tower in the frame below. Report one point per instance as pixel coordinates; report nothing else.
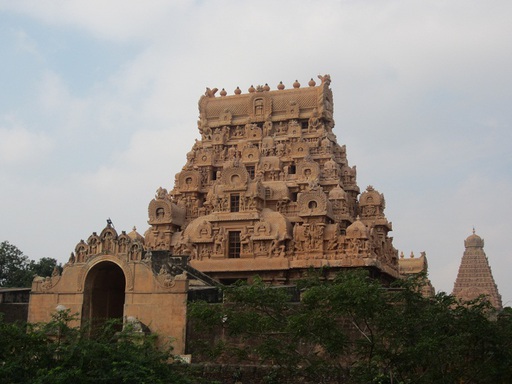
(475, 276)
(269, 191)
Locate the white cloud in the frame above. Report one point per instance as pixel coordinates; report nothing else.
(19, 146)
(117, 20)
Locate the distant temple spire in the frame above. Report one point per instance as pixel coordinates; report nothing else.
(475, 276)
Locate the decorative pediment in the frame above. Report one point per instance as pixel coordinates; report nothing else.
(189, 181)
(253, 132)
(234, 178)
(312, 203)
(163, 211)
(262, 231)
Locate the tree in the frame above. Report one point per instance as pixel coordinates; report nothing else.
(56, 353)
(17, 270)
(352, 330)
(43, 267)
(13, 266)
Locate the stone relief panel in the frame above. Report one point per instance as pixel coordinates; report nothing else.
(308, 238)
(253, 132)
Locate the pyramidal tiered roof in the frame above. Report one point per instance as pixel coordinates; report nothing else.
(268, 190)
(475, 276)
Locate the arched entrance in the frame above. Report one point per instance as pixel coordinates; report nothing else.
(104, 293)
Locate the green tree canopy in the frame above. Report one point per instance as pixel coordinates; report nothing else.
(352, 330)
(56, 353)
(17, 270)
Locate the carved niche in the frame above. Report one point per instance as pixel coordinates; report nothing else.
(262, 231)
(331, 170)
(204, 232)
(260, 106)
(123, 242)
(108, 240)
(234, 178)
(300, 149)
(163, 211)
(371, 203)
(308, 170)
(81, 251)
(226, 117)
(189, 181)
(312, 203)
(293, 109)
(294, 129)
(94, 243)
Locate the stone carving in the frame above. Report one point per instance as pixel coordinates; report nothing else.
(210, 92)
(326, 79)
(165, 279)
(269, 181)
(94, 245)
(314, 121)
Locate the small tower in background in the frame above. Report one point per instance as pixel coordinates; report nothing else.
(475, 276)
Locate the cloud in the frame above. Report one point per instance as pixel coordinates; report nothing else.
(116, 20)
(19, 146)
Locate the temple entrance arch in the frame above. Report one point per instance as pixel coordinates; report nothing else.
(104, 294)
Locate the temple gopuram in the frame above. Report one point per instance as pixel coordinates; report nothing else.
(268, 191)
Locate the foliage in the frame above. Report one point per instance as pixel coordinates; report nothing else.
(352, 330)
(57, 353)
(17, 270)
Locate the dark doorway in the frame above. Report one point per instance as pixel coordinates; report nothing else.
(103, 294)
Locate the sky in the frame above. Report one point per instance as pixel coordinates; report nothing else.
(98, 108)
